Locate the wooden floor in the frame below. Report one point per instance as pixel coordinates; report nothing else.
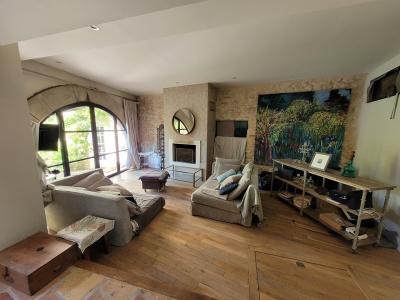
(289, 257)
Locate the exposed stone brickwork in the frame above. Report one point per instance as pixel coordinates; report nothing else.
(240, 103)
(196, 98)
(151, 115)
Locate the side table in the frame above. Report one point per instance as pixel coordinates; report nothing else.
(87, 231)
(191, 175)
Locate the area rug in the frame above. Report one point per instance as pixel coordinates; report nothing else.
(76, 283)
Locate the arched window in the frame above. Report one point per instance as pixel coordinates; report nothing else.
(90, 137)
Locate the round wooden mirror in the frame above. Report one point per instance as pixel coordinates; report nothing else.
(183, 121)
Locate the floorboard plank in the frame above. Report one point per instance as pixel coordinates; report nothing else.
(213, 258)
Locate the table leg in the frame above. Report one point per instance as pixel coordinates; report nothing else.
(355, 240)
(272, 176)
(87, 254)
(303, 192)
(106, 244)
(385, 206)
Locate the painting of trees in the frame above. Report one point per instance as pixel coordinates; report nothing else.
(286, 121)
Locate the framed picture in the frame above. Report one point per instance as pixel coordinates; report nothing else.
(320, 161)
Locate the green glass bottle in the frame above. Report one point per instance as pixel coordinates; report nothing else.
(349, 170)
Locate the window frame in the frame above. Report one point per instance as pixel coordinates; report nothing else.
(94, 131)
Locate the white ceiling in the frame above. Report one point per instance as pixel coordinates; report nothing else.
(218, 40)
(25, 19)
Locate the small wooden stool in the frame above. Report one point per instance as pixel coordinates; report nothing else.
(87, 231)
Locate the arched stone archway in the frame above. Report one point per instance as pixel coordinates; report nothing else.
(45, 102)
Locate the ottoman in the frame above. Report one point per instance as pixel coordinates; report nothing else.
(154, 180)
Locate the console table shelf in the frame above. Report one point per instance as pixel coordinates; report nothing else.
(359, 183)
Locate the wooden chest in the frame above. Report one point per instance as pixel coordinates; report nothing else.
(34, 262)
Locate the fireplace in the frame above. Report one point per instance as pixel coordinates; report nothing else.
(184, 153)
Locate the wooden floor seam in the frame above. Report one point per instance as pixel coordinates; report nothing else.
(229, 261)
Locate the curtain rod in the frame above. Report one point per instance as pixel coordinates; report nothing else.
(70, 82)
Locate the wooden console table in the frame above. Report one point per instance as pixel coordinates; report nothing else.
(359, 183)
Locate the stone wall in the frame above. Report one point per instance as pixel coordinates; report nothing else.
(196, 99)
(211, 127)
(151, 115)
(240, 103)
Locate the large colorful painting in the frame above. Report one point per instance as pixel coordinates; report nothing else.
(286, 121)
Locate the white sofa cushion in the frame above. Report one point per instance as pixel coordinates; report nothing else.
(244, 183)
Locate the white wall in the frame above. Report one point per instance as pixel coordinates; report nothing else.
(21, 204)
(378, 146)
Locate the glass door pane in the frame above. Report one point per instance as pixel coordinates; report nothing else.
(104, 120)
(79, 145)
(52, 157)
(106, 141)
(123, 160)
(122, 142)
(81, 166)
(108, 163)
(77, 119)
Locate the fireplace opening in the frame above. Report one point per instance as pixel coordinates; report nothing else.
(184, 153)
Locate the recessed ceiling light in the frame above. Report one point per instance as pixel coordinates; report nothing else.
(94, 27)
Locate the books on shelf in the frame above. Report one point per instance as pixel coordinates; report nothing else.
(352, 231)
(286, 195)
(368, 213)
(335, 221)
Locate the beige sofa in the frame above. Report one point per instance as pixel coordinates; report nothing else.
(70, 205)
(216, 208)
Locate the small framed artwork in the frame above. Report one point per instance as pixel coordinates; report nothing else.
(320, 161)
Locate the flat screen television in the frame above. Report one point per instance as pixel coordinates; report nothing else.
(48, 137)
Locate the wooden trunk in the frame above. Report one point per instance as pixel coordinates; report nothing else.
(34, 262)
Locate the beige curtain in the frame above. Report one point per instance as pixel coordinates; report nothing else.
(131, 120)
(230, 147)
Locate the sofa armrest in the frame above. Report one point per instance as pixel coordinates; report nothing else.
(213, 168)
(254, 177)
(70, 205)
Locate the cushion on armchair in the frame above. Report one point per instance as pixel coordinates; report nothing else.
(244, 182)
(228, 188)
(248, 167)
(230, 179)
(89, 180)
(222, 165)
(115, 188)
(225, 175)
(93, 181)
